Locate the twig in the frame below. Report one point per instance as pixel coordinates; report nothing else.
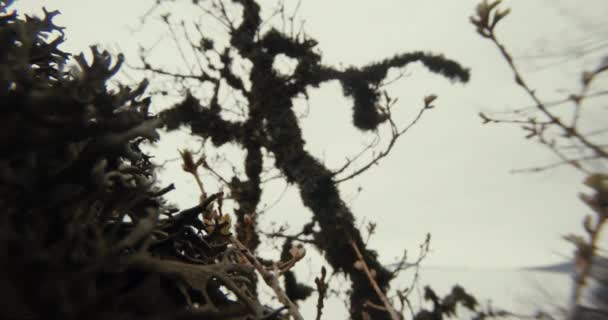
(396, 133)
(165, 19)
(573, 162)
(217, 18)
(486, 18)
(556, 103)
(288, 237)
(224, 13)
(403, 298)
(202, 77)
(587, 250)
(215, 173)
(374, 284)
(350, 161)
(195, 51)
(271, 279)
(164, 190)
(424, 250)
(570, 131)
(322, 290)
(275, 202)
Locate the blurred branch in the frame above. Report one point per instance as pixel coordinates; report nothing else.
(486, 19)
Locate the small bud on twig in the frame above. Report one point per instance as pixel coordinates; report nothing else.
(428, 100)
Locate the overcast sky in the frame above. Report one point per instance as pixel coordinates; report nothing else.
(450, 175)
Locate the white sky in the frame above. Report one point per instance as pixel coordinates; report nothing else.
(449, 175)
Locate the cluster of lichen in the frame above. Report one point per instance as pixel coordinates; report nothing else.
(84, 231)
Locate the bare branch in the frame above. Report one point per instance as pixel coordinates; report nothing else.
(569, 130)
(387, 305)
(271, 279)
(322, 291)
(395, 135)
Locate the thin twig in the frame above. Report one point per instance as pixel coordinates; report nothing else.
(573, 162)
(395, 136)
(271, 279)
(555, 103)
(570, 131)
(177, 44)
(374, 284)
(322, 291)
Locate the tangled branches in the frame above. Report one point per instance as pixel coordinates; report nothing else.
(570, 143)
(85, 232)
(84, 229)
(575, 147)
(269, 123)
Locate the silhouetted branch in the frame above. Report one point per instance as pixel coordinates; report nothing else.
(372, 279)
(396, 133)
(271, 124)
(321, 291)
(271, 279)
